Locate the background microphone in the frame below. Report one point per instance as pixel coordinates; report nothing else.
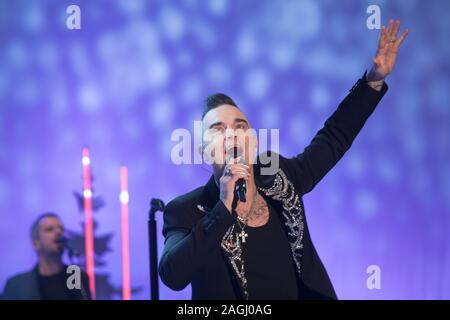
(241, 187)
(63, 240)
(68, 245)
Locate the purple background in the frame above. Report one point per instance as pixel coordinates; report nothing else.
(138, 70)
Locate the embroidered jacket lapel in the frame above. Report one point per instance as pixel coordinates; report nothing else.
(279, 188)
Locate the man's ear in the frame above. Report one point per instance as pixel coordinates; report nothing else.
(200, 149)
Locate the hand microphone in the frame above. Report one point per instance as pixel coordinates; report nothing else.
(241, 186)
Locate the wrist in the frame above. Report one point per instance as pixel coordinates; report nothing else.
(227, 204)
(376, 85)
(374, 82)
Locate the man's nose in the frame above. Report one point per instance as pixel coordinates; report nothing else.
(231, 137)
(229, 134)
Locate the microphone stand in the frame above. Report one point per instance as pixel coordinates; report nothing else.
(155, 206)
(71, 253)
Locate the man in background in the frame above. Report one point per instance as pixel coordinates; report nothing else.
(48, 279)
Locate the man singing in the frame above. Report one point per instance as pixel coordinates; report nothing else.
(260, 248)
(48, 279)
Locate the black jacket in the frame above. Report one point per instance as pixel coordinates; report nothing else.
(25, 286)
(200, 244)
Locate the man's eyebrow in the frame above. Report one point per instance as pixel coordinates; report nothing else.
(236, 120)
(218, 123)
(241, 120)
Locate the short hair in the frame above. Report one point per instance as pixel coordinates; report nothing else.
(34, 232)
(216, 100)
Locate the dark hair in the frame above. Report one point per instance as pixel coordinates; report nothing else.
(35, 226)
(216, 100)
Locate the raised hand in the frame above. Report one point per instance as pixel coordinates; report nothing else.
(387, 50)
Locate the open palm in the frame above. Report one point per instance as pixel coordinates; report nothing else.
(387, 50)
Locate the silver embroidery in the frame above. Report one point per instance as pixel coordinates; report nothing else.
(232, 246)
(282, 190)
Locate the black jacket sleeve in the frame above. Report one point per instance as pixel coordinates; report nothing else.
(335, 138)
(187, 243)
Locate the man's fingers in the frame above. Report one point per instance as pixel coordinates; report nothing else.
(396, 28)
(390, 30)
(232, 169)
(384, 33)
(382, 39)
(239, 175)
(402, 37)
(234, 160)
(236, 170)
(239, 170)
(240, 166)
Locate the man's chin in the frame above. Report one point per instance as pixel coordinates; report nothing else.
(58, 251)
